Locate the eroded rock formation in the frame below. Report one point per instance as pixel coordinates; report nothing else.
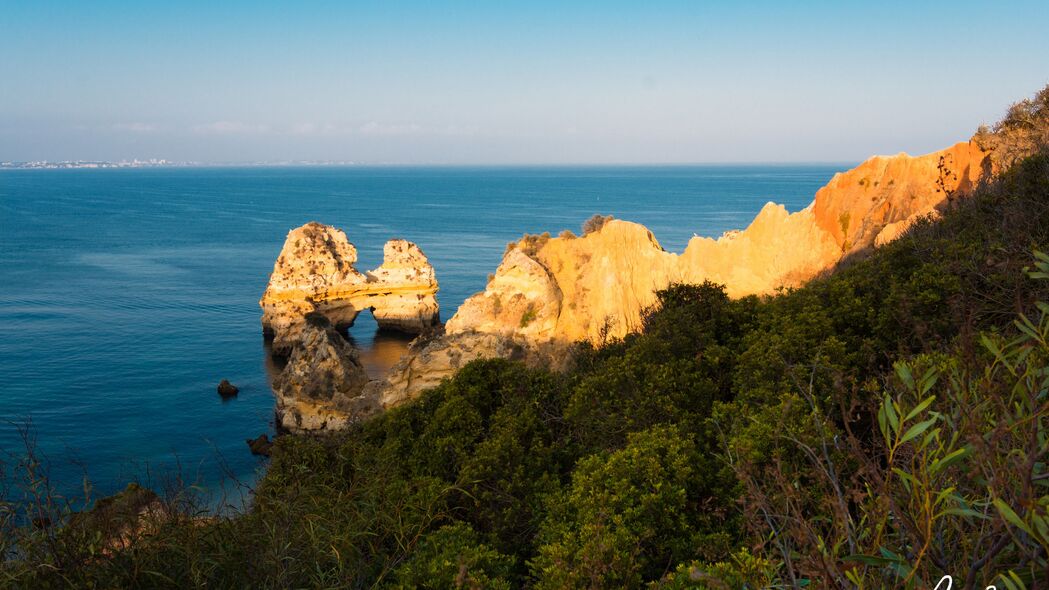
(315, 273)
(551, 292)
(886, 191)
(598, 285)
(322, 386)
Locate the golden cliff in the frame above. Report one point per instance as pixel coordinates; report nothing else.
(314, 273)
(550, 292)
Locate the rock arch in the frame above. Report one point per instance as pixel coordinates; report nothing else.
(315, 273)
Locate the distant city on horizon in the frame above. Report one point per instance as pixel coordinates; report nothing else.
(163, 163)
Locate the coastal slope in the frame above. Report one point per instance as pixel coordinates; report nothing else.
(550, 292)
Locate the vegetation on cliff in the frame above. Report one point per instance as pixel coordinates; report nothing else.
(883, 426)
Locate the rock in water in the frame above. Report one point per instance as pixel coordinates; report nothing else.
(315, 272)
(261, 445)
(549, 293)
(120, 520)
(227, 389)
(322, 386)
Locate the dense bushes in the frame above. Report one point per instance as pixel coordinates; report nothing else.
(882, 426)
(628, 513)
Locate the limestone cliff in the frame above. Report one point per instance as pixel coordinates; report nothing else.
(568, 289)
(857, 205)
(315, 272)
(551, 292)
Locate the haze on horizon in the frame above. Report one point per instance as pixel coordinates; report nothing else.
(486, 83)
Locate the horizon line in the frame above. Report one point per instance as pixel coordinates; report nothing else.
(130, 164)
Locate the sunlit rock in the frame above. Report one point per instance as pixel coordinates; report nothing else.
(315, 273)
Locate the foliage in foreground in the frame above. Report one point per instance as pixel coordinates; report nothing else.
(880, 427)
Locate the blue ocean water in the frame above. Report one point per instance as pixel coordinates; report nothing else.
(126, 295)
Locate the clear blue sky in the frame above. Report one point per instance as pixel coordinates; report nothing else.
(490, 82)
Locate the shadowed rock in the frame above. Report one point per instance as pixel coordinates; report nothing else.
(321, 387)
(227, 389)
(260, 446)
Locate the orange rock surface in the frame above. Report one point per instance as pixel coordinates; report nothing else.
(595, 286)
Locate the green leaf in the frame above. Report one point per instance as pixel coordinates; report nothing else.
(908, 479)
(965, 512)
(990, 345)
(1019, 583)
(1012, 517)
(917, 429)
(1041, 526)
(890, 413)
(928, 380)
(943, 495)
(918, 409)
(1008, 584)
(903, 371)
(870, 560)
(952, 458)
(883, 425)
(1026, 326)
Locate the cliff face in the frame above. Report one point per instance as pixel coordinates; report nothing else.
(856, 206)
(315, 273)
(551, 292)
(570, 289)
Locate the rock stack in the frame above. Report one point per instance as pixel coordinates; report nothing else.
(551, 292)
(322, 386)
(315, 273)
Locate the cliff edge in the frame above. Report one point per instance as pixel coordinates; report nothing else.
(549, 292)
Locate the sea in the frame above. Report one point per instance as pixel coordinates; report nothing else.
(126, 295)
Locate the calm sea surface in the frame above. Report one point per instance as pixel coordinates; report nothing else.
(126, 295)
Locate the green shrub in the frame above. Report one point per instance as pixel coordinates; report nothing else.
(626, 515)
(454, 557)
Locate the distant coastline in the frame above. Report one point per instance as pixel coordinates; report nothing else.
(151, 163)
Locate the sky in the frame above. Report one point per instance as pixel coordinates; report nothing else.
(499, 82)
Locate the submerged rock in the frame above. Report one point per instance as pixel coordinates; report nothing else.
(261, 446)
(321, 388)
(315, 273)
(227, 389)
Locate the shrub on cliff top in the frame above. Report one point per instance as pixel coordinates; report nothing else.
(625, 515)
(1023, 132)
(595, 223)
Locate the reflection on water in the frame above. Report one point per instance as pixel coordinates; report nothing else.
(377, 353)
(386, 349)
(273, 364)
